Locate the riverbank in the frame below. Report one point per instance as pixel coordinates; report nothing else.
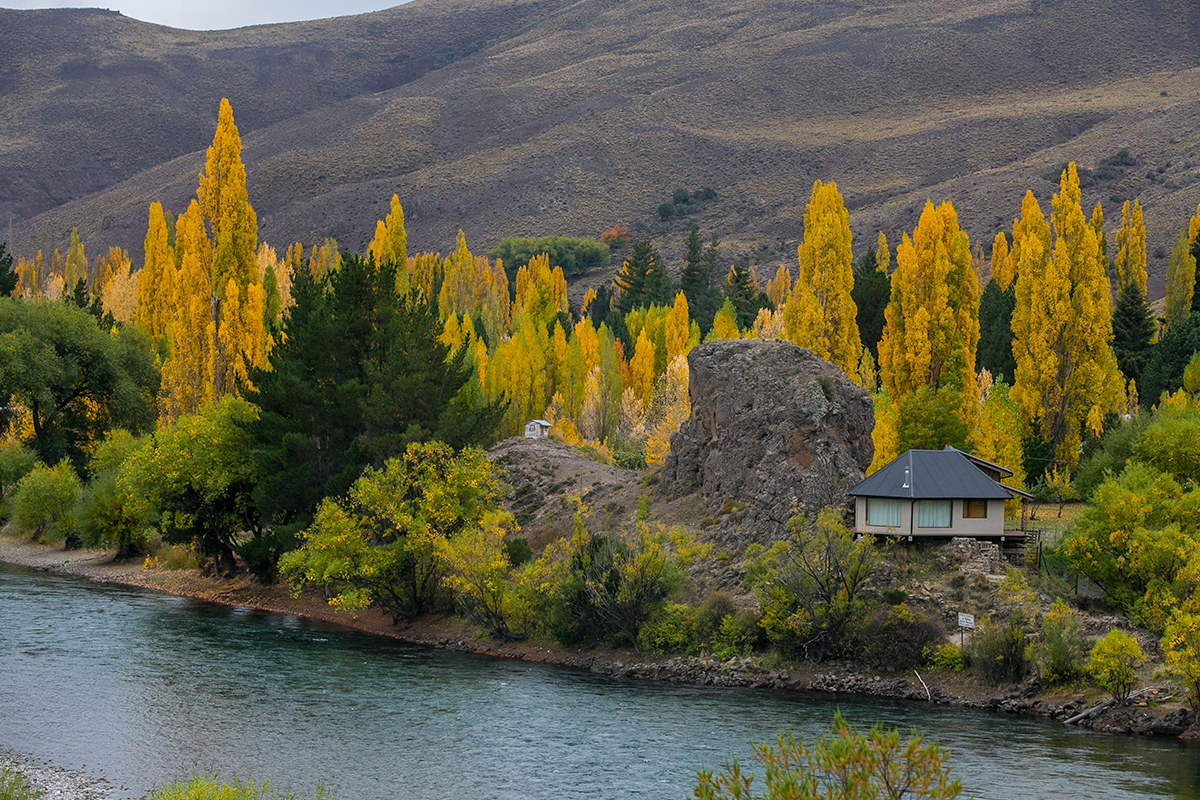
(56, 783)
(1159, 711)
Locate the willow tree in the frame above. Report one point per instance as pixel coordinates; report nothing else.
(932, 319)
(820, 313)
(1066, 375)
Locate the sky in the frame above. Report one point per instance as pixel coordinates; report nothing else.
(216, 14)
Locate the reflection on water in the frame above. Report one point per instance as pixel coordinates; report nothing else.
(140, 684)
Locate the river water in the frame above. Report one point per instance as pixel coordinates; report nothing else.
(140, 685)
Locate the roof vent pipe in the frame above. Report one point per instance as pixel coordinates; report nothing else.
(906, 484)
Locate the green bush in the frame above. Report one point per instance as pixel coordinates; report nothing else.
(680, 195)
(672, 629)
(1113, 663)
(1108, 455)
(896, 637)
(109, 515)
(665, 211)
(519, 550)
(1060, 652)
(15, 463)
(208, 785)
(998, 652)
(946, 657)
(15, 786)
(43, 504)
(575, 256)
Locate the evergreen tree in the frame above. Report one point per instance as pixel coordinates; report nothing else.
(995, 331)
(696, 279)
(1168, 359)
(360, 374)
(870, 294)
(8, 275)
(1195, 252)
(741, 289)
(639, 278)
(1133, 330)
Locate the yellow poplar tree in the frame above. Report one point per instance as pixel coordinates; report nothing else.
(1130, 263)
(156, 284)
(119, 287)
(725, 323)
(1066, 374)
(1181, 280)
(824, 316)
(672, 407)
(677, 331)
(187, 376)
(932, 319)
(641, 368)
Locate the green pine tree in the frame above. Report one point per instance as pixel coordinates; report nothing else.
(995, 353)
(1133, 330)
(870, 294)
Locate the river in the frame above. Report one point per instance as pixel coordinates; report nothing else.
(140, 685)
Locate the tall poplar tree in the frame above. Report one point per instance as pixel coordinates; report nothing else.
(932, 328)
(1130, 263)
(1181, 280)
(820, 312)
(1066, 375)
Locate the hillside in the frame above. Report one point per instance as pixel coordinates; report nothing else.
(530, 118)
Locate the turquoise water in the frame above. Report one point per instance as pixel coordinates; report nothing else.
(139, 685)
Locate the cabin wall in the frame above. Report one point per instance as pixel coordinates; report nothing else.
(992, 525)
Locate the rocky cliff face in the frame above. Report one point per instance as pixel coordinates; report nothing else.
(774, 431)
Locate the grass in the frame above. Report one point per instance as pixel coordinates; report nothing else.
(15, 786)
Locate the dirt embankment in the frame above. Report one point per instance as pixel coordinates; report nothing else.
(1157, 712)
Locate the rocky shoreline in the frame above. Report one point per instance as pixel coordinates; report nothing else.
(57, 783)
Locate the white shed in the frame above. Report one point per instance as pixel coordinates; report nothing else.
(537, 429)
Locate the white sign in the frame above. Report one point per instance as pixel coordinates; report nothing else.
(966, 620)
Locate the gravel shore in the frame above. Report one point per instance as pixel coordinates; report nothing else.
(57, 783)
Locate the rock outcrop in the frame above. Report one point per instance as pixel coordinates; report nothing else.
(774, 430)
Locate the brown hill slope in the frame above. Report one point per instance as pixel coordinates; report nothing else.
(570, 117)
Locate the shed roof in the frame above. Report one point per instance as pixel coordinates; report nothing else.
(933, 474)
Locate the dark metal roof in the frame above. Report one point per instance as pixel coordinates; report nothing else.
(1004, 471)
(933, 474)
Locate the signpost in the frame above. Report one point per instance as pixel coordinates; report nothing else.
(964, 621)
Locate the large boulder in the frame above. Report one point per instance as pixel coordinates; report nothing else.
(774, 431)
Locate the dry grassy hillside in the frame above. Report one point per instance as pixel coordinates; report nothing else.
(523, 118)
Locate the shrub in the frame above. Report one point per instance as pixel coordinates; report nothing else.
(518, 550)
(706, 194)
(946, 657)
(1059, 653)
(671, 629)
(896, 637)
(1113, 663)
(207, 784)
(665, 211)
(998, 651)
(109, 515)
(842, 765)
(15, 786)
(811, 587)
(616, 236)
(680, 195)
(43, 503)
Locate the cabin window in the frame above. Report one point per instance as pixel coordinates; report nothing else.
(883, 511)
(933, 514)
(975, 509)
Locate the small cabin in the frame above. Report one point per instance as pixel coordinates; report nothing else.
(537, 429)
(935, 493)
